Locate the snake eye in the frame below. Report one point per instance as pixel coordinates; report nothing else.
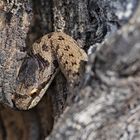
(33, 92)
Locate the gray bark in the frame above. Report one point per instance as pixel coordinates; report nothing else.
(107, 105)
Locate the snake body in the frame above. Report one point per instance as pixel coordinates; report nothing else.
(51, 53)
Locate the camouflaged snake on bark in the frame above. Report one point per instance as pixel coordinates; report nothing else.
(53, 51)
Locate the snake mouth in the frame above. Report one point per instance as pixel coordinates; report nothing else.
(37, 93)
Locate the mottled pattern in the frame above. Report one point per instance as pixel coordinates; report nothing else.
(53, 51)
(49, 54)
(69, 56)
(2, 19)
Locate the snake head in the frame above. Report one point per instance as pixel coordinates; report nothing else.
(34, 78)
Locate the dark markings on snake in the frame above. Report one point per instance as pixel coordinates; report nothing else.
(60, 38)
(71, 55)
(74, 63)
(42, 61)
(50, 35)
(45, 48)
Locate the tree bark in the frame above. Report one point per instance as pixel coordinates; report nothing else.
(107, 105)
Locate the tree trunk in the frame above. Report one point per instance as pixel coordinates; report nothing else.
(106, 107)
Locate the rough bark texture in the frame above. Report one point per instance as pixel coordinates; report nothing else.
(107, 106)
